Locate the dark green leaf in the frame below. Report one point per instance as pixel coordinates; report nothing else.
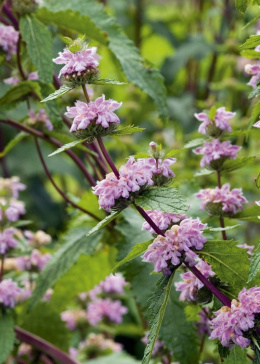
(53, 108)
(230, 263)
(165, 199)
(39, 45)
(232, 164)
(255, 264)
(237, 356)
(17, 93)
(241, 5)
(251, 42)
(61, 91)
(13, 143)
(7, 336)
(135, 252)
(223, 351)
(130, 129)
(249, 214)
(116, 358)
(158, 303)
(107, 81)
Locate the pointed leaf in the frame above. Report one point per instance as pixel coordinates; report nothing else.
(232, 164)
(7, 336)
(237, 356)
(251, 42)
(107, 81)
(61, 91)
(194, 143)
(249, 214)
(13, 143)
(104, 222)
(130, 129)
(18, 93)
(71, 145)
(255, 264)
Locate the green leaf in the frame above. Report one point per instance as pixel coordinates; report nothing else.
(248, 214)
(255, 92)
(212, 112)
(61, 91)
(257, 181)
(107, 81)
(223, 351)
(7, 336)
(211, 229)
(53, 107)
(75, 244)
(237, 356)
(116, 358)
(250, 53)
(203, 172)
(255, 264)
(130, 129)
(13, 143)
(142, 155)
(230, 263)
(192, 312)
(148, 79)
(66, 146)
(194, 143)
(232, 164)
(39, 45)
(251, 42)
(172, 152)
(18, 93)
(104, 222)
(135, 252)
(158, 303)
(241, 5)
(74, 20)
(165, 199)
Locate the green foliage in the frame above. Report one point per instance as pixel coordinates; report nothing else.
(248, 214)
(230, 263)
(18, 93)
(117, 358)
(242, 5)
(104, 222)
(20, 136)
(257, 181)
(194, 143)
(137, 250)
(148, 79)
(158, 303)
(52, 107)
(223, 351)
(7, 335)
(39, 46)
(107, 81)
(237, 356)
(211, 229)
(58, 93)
(192, 312)
(233, 164)
(251, 42)
(127, 130)
(255, 264)
(45, 322)
(254, 93)
(71, 145)
(165, 199)
(75, 243)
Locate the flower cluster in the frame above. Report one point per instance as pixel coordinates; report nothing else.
(35, 262)
(190, 285)
(228, 200)
(105, 310)
(7, 240)
(133, 176)
(15, 80)
(231, 324)
(10, 293)
(254, 71)
(39, 120)
(216, 150)
(8, 40)
(176, 246)
(162, 219)
(221, 121)
(10, 207)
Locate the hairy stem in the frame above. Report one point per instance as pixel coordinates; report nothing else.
(57, 188)
(107, 157)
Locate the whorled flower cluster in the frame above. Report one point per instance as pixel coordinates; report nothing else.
(35, 262)
(221, 120)
(231, 324)
(190, 284)
(162, 219)
(134, 175)
(7, 240)
(8, 40)
(41, 119)
(228, 200)
(215, 150)
(10, 187)
(15, 80)
(11, 209)
(10, 293)
(105, 310)
(254, 71)
(176, 246)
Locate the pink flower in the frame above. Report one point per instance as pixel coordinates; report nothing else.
(41, 117)
(257, 124)
(73, 318)
(191, 284)
(9, 293)
(36, 261)
(77, 62)
(215, 150)
(176, 245)
(249, 248)
(231, 200)
(105, 309)
(113, 284)
(162, 220)
(12, 81)
(8, 40)
(221, 120)
(11, 209)
(100, 111)
(33, 76)
(11, 186)
(253, 70)
(7, 240)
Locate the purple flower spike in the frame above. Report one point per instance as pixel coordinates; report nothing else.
(113, 284)
(215, 150)
(253, 70)
(9, 293)
(8, 40)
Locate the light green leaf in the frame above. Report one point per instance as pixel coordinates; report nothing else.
(192, 312)
(142, 155)
(18, 93)
(255, 264)
(165, 199)
(137, 250)
(107, 81)
(75, 243)
(130, 129)
(13, 143)
(203, 172)
(104, 222)
(194, 143)
(251, 42)
(237, 356)
(7, 336)
(255, 92)
(257, 181)
(61, 91)
(230, 263)
(241, 5)
(173, 152)
(68, 146)
(158, 303)
(211, 229)
(233, 164)
(39, 45)
(250, 53)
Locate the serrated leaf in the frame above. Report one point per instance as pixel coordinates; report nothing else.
(7, 336)
(17, 93)
(251, 42)
(192, 312)
(223, 351)
(165, 199)
(61, 91)
(232, 164)
(130, 129)
(39, 45)
(211, 229)
(137, 250)
(158, 303)
(230, 263)
(241, 5)
(75, 244)
(69, 146)
(13, 143)
(104, 222)
(172, 152)
(148, 79)
(107, 81)
(249, 214)
(255, 92)
(255, 264)
(194, 143)
(237, 356)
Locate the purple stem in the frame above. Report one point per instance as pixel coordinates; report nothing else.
(2, 20)
(18, 57)
(57, 187)
(149, 220)
(107, 157)
(222, 298)
(44, 346)
(10, 16)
